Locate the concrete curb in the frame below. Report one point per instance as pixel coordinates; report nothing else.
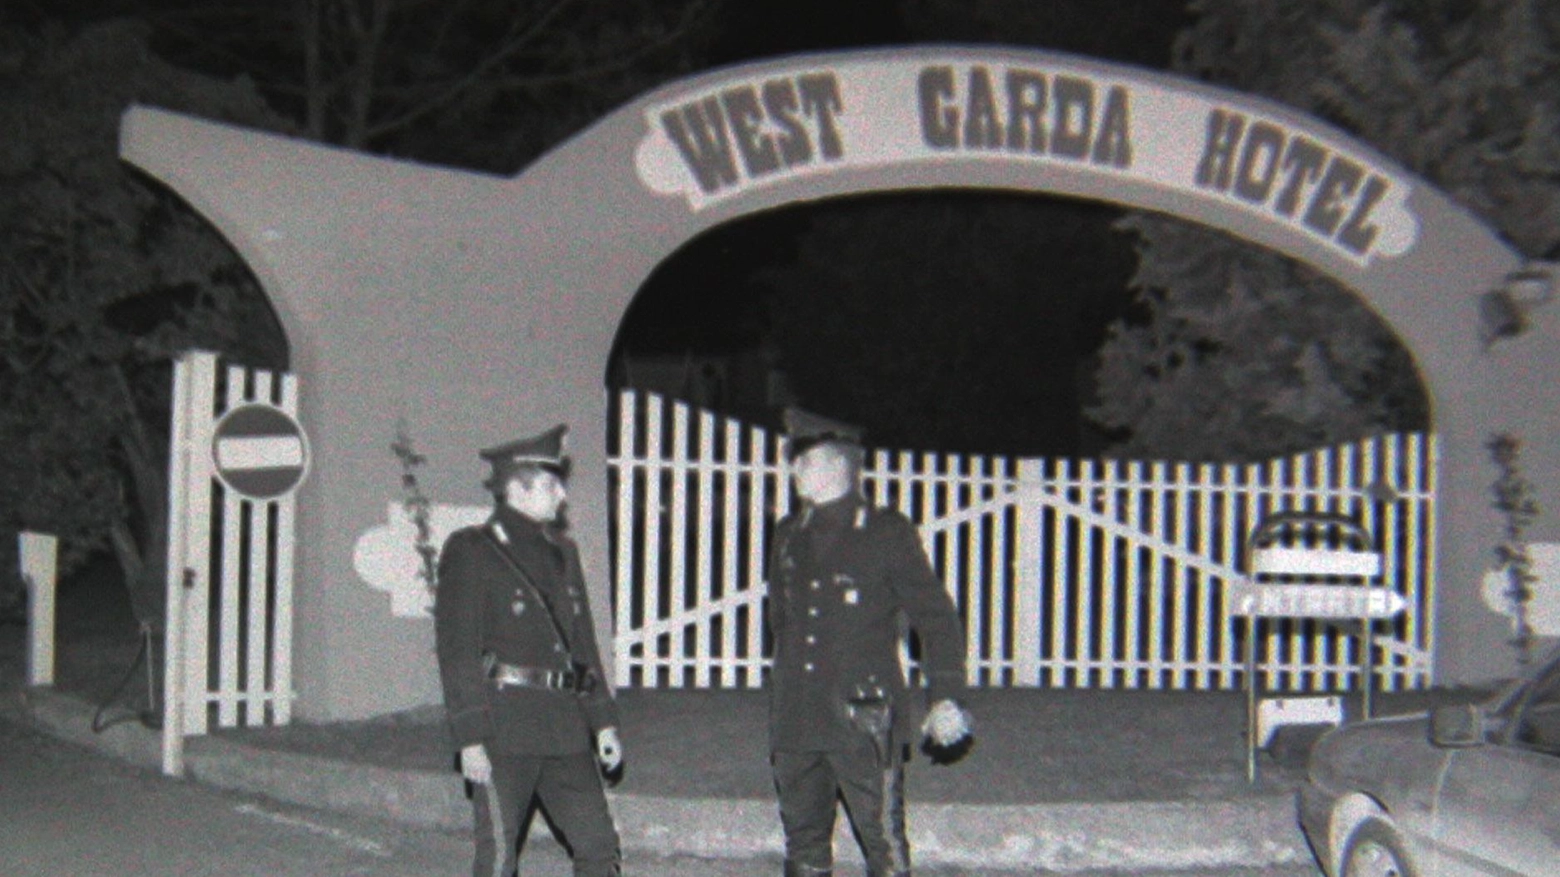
(70, 719)
(1087, 837)
(1259, 831)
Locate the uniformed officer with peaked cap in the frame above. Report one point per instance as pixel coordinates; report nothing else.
(843, 577)
(528, 704)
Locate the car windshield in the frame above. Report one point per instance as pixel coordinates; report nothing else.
(1524, 690)
(1538, 723)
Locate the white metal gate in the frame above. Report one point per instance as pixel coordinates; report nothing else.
(1069, 573)
(230, 557)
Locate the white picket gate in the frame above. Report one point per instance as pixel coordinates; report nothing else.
(228, 647)
(1069, 573)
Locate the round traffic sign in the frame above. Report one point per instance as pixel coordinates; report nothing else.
(260, 451)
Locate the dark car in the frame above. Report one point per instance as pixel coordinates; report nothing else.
(1462, 790)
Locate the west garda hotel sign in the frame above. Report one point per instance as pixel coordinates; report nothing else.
(710, 146)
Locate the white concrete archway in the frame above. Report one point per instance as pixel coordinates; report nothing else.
(479, 308)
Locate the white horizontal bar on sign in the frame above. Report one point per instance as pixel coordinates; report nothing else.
(1316, 562)
(259, 453)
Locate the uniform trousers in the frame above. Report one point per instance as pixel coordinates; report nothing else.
(807, 784)
(570, 789)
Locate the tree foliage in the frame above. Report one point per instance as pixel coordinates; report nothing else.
(1243, 355)
(104, 276)
(1464, 92)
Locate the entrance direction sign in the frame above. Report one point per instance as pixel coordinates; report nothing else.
(260, 451)
(1313, 601)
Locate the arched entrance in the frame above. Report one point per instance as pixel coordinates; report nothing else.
(475, 309)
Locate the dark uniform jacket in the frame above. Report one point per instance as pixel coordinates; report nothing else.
(486, 607)
(843, 577)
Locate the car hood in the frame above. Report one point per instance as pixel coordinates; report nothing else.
(1381, 756)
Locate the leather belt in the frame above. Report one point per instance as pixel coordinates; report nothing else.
(533, 677)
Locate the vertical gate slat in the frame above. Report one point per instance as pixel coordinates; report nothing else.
(1151, 575)
(234, 513)
(201, 501)
(679, 578)
(1276, 641)
(1423, 530)
(1308, 649)
(651, 581)
(253, 678)
(282, 629)
(256, 623)
(1182, 583)
(1207, 594)
(189, 485)
(965, 582)
(1239, 510)
(990, 562)
(1383, 526)
(981, 581)
(1103, 542)
(1061, 586)
(704, 582)
(1277, 473)
(626, 532)
(757, 521)
(1332, 655)
(923, 476)
(1152, 618)
(1084, 570)
(1027, 580)
(904, 496)
(1016, 644)
(258, 627)
(1403, 579)
(730, 573)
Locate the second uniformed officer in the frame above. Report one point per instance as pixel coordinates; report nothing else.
(528, 705)
(842, 576)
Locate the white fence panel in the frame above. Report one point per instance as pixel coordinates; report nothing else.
(1069, 573)
(230, 564)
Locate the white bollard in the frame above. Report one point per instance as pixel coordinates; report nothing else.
(39, 554)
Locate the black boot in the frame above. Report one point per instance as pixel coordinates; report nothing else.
(794, 870)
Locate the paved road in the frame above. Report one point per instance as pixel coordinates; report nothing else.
(71, 811)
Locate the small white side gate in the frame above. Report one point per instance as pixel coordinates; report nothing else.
(1068, 573)
(237, 454)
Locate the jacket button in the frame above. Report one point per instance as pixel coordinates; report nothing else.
(811, 640)
(808, 666)
(816, 585)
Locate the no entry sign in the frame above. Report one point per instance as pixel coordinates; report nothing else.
(260, 451)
